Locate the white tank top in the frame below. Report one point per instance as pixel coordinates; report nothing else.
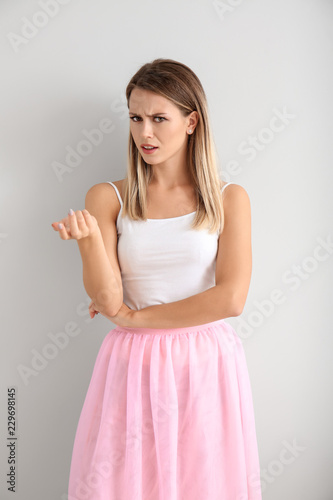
(164, 260)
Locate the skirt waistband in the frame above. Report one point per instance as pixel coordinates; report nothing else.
(156, 331)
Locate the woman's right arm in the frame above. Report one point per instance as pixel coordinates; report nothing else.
(101, 272)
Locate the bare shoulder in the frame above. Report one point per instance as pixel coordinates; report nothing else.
(102, 199)
(237, 208)
(235, 193)
(119, 185)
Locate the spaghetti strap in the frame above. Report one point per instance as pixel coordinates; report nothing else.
(225, 185)
(121, 201)
(117, 192)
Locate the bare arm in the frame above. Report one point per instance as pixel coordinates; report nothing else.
(101, 273)
(233, 274)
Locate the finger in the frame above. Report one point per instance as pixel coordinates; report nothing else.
(89, 220)
(64, 221)
(92, 307)
(78, 224)
(62, 231)
(92, 310)
(74, 228)
(81, 220)
(56, 224)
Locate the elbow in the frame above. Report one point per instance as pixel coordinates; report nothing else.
(113, 308)
(237, 305)
(109, 302)
(231, 301)
(237, 309)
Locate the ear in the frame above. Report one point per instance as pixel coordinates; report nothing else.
(193, 119)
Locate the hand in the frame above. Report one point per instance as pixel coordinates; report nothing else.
(124, 317)
(93, 309)
(76, 226)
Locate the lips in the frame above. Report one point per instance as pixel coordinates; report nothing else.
(150, 146)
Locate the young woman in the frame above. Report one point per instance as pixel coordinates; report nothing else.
(166, 257)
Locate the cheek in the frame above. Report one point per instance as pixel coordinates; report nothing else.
(175, 132)
(134, 134)
(177, 136)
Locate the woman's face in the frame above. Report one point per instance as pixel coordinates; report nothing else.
(157, 121)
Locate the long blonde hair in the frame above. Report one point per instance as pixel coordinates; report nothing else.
(178, 83)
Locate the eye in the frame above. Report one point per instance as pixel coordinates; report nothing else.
(135, 121)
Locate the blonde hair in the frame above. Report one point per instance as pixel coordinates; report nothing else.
(178, 83)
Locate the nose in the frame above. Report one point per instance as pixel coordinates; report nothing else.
(147, 128)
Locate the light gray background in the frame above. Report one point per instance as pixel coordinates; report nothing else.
(252, 58)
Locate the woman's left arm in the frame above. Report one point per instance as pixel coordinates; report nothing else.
(232, 277)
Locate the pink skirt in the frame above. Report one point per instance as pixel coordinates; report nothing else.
(168, 415)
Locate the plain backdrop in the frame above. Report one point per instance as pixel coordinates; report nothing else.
(266, 67)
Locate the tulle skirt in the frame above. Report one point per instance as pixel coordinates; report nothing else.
(168, 415)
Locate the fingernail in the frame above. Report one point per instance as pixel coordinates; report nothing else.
(60, 226)
(70, 212)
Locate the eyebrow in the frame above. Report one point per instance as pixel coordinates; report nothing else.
(155, 114)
